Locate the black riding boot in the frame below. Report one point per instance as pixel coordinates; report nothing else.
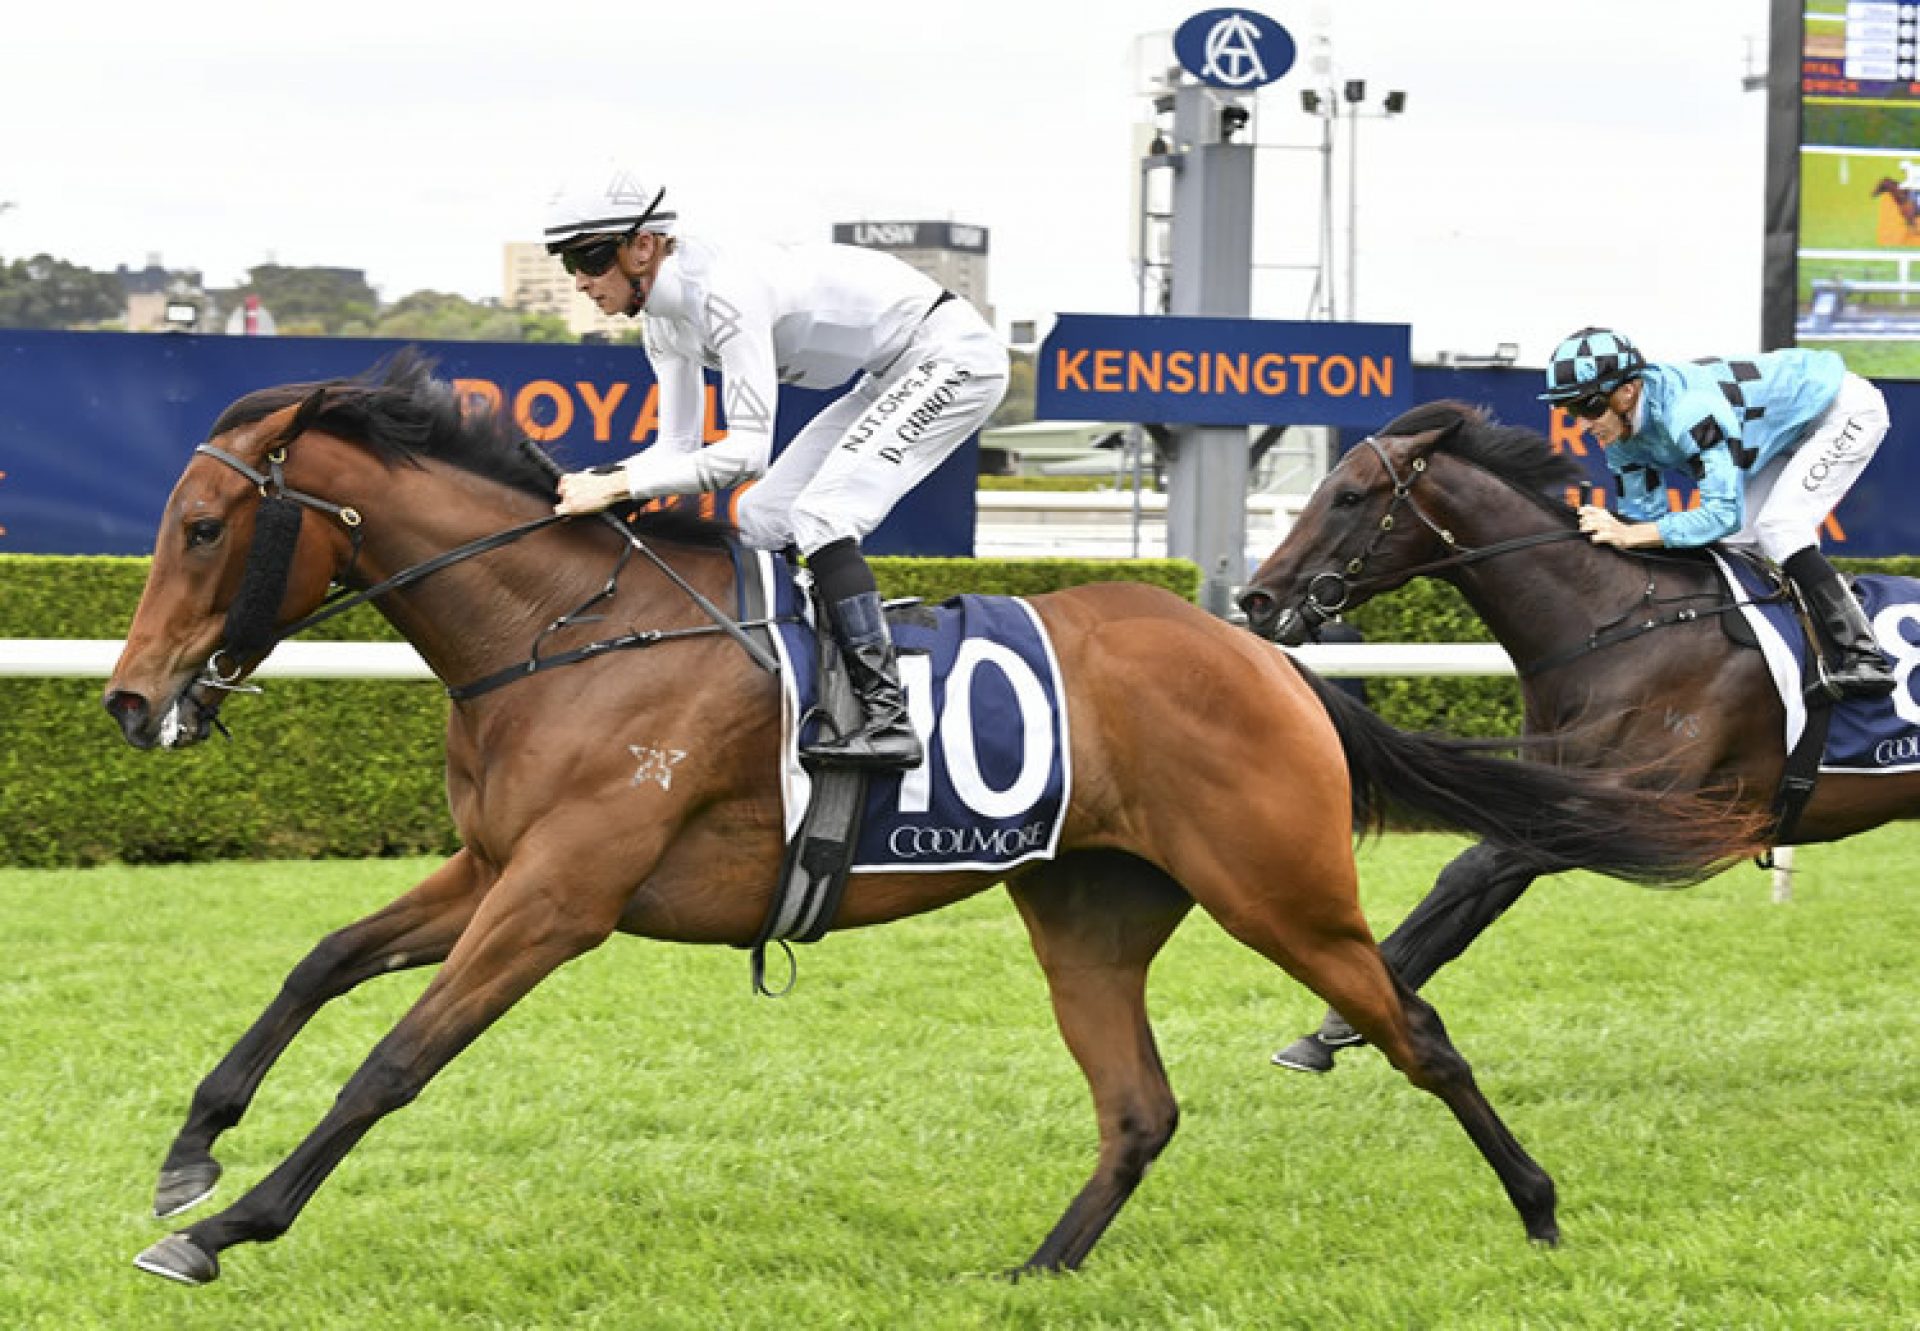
(1860, 670)
(886, 739)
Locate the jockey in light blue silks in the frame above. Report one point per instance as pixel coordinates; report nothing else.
(1773, 442)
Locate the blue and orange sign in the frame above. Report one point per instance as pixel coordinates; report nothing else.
(1222, 371)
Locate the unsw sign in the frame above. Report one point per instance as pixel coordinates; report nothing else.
(1191, 371)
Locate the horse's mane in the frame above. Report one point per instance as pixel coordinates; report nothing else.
(1519, 456)
(401, 413)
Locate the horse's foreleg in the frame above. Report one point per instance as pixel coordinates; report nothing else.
(519, 935)
(1472, 892)
(417, 929)
(1096, 921)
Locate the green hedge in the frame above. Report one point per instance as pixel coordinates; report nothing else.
(316, 768)
(352, 768)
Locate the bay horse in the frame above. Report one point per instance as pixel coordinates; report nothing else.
(1208, 769)
(1444, 491)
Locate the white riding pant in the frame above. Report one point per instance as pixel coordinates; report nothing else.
(1790, 497)
(850, 465)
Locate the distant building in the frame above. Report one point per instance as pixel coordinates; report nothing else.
(154, 279)
(535, 281)
(951, 253)
(159, 300)
(181, 308)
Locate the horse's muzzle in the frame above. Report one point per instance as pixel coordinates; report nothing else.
(1265, 618)
(1261, 609)
(186, 720)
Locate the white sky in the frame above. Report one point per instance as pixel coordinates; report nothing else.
(1558, 164)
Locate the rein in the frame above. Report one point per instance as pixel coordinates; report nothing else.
(1317, 611)
(250, 631)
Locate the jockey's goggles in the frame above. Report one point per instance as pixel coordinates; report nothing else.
(1589, 406)
(593, 259)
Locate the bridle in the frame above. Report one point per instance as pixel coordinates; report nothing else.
(1317, 609)
(250, 629)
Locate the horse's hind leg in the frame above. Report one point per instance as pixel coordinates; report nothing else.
(1472, 892)
(1097, 919)
(417, 929)
(1325, 945)
(1438, 1067)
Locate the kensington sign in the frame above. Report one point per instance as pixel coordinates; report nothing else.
(1233, 48)
(1168, 370)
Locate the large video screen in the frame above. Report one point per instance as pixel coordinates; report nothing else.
(1859, 227)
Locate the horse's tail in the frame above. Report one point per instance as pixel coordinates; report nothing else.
(1558, 818)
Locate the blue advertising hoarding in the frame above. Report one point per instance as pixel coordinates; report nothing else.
(96, 427)
(1192, 371)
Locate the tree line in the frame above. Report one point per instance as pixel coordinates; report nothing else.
(46, 292)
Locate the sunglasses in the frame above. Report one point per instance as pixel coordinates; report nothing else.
(1591, 406)
(594, 259)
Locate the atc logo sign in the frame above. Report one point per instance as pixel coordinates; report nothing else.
(1233, 48)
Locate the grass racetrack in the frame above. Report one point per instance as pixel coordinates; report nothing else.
(1727, 1091)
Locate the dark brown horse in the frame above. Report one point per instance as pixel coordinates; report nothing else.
(1445, 492)
(1207, 768)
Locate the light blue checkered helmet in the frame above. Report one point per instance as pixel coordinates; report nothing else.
(1593, 360)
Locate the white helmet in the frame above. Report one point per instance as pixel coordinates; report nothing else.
(618, 203)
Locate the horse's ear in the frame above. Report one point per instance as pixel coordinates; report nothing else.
(1433, 423)
(304, 416)
(1437, 434)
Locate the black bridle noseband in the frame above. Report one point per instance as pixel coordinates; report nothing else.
(250, 629)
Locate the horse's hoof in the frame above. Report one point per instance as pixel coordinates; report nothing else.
(1546, 1236)
(1032, 1270)
(177, 1257)
(185, 1187)
(1307, 1054)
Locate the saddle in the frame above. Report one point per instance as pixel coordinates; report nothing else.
(984, 686)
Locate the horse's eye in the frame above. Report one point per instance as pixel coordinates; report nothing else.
(204, 531)
(1347, 498)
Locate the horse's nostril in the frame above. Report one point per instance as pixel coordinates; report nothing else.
(124, 706)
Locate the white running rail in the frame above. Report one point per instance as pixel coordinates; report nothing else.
(93, 658)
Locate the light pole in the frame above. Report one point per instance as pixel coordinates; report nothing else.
(1393, 104)
(1319, 102)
